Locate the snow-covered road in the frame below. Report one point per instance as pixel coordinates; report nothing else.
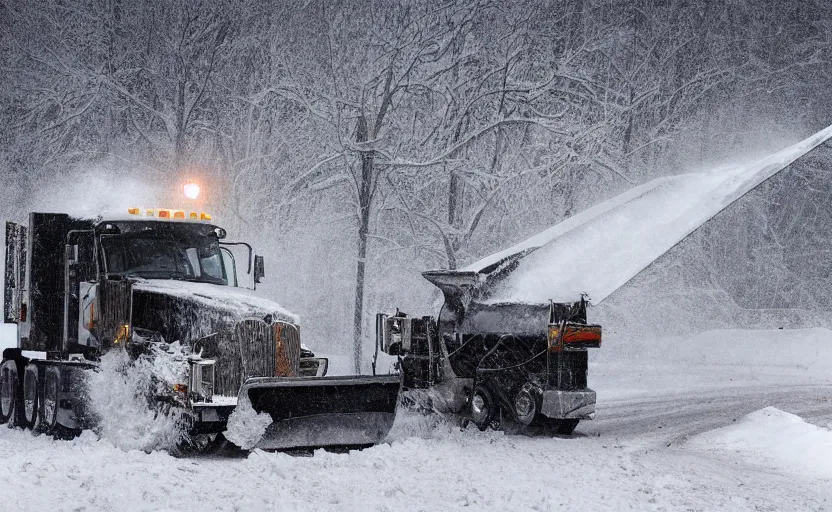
(667, 437)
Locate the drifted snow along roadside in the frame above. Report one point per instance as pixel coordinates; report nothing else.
(776, 440)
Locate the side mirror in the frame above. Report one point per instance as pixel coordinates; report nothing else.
(313, 366)
(382, 333)
(71, 254)
(259, 269)
(393, 334)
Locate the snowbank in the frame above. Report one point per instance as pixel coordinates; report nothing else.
(599, 250)
(776, 439)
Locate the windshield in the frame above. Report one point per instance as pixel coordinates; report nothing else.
(165, 251)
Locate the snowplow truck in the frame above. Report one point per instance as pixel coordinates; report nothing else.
(151, 281)
(500, 365)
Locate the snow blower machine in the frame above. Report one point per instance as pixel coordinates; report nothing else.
(162, 283)
(512, 366)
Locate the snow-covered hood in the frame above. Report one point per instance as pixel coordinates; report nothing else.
(237, 302)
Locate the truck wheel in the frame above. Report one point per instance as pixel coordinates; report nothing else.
(8, 381)
(31, 392)
(49, 407)
(525, 405)
(483, 407)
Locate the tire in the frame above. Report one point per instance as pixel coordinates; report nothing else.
(10, 391)
(483, 407)
(528, 399)
(31, 397)
(49, 405)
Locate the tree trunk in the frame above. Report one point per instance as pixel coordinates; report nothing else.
(179, 138)
(364, 199)
(453, 192)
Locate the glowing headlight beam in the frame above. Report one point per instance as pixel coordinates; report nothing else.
(191, 190)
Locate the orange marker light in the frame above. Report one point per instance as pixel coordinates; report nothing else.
(205, 216)
(133, 211)
(178, 214)
(194, 215)
(164, 214)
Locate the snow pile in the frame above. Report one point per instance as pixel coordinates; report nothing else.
(118, 398)
(410, 423)
(245, 426)
(599, 250)
(777, 439)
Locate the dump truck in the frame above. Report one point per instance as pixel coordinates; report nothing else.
(151, 281)
(505, 365)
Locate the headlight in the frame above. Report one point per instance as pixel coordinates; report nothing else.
(202, 380)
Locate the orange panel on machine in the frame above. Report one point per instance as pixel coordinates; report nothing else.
(282, 366)
(582, 334)
(574, 336)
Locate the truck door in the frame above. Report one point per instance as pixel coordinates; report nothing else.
(229, 262)
(80, 288)
(239, 259)
(14, 310)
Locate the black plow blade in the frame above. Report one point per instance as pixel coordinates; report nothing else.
(324, 412)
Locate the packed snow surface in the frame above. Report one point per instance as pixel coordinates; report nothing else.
(693, 433)
(600, 249)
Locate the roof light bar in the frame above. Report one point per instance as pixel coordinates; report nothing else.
(167, 213)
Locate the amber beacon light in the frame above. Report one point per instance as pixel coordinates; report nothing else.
(191, 190)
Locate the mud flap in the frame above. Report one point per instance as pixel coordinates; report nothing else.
(317, 412)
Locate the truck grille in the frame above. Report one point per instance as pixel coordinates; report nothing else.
(257, 350)
(253, 353)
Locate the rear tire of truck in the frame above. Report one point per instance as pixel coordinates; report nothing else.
(9, 393)
(49, 404)
(483, 407)
(31, 397)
